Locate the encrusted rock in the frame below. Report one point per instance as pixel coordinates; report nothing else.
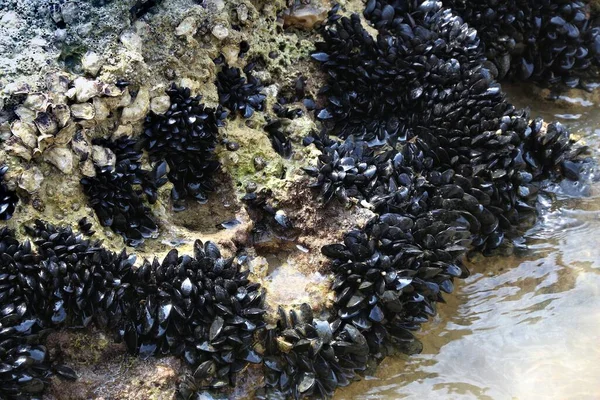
(31, 180)
(61, 158)
(137, 110)
(160, 104)
(83, 111)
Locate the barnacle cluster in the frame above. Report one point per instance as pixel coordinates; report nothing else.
(8, 198)
(185, 137)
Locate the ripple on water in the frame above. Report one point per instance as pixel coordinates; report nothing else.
(521, 327)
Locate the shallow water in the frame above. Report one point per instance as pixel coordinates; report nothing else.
(520, 327)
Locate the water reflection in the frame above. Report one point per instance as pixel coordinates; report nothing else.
(521, 327)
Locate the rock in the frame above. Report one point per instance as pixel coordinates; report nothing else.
(83, 111)
(85, 89)
(160, 104)
(187, 27)
(69, 12)
(137, 110)
(103, 157)
(61, 158)
(26, 132)
(31, 180)
(220, 31)
(91, 63)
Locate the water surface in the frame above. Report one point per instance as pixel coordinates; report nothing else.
(520, 327)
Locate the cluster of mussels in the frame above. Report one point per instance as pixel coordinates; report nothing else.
(181, 144)
(425, 139)
(240, 94)
(185, 137)
(8, 198)
(430, 144)
(550, 42)
(202, 308)
(116, 193)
